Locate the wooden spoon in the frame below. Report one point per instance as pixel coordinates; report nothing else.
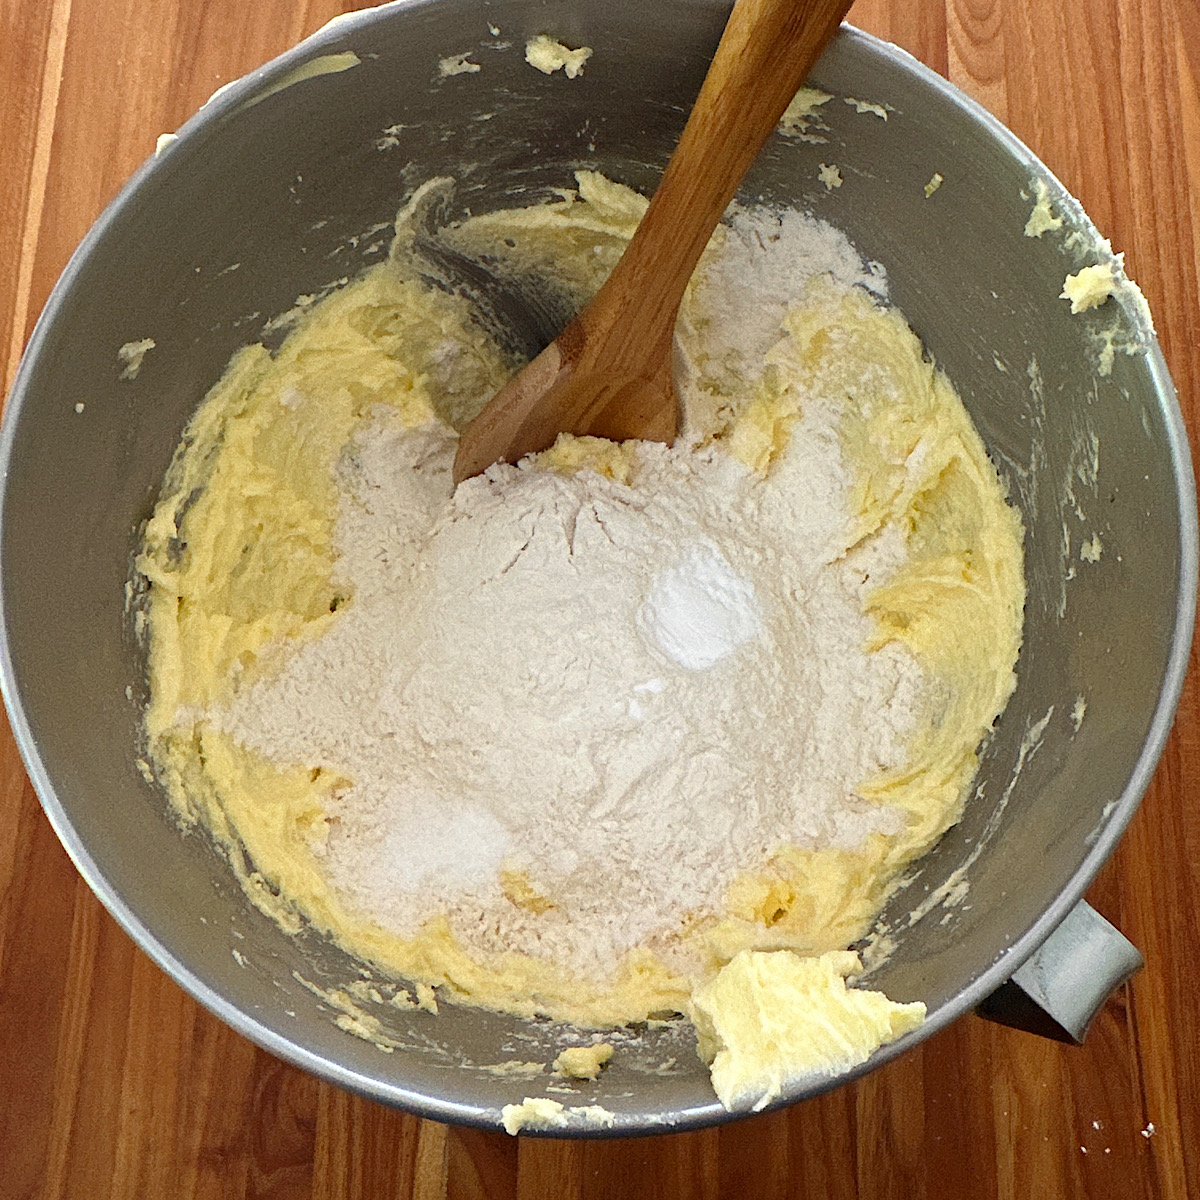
(609, 372)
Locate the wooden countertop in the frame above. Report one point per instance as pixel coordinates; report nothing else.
(115, 1083)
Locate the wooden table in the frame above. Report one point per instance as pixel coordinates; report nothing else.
(115, 1083)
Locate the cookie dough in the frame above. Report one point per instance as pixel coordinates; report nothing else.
(768, 1020)
(241, 560)
(1043, 218)
(548, 56)
(583, 1062)
(540, 1112)
(1089, 287)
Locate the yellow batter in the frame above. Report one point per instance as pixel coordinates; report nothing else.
(767, 1019)
(239, 555)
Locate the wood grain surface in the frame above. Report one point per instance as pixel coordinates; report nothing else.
(114, 1083)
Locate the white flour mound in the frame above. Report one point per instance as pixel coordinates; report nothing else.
(631, 694)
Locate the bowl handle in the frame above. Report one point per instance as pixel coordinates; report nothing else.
(1058, 991)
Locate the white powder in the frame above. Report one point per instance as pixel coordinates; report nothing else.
(765, 262)
(699, 611)
(631, 694)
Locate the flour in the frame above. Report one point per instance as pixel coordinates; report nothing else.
(621, 695)
(766, 259)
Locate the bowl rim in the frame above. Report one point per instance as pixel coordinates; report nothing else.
(335, 37)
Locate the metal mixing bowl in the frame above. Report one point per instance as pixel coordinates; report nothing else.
(286, 182)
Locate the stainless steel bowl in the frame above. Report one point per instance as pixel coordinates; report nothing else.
(283, 184)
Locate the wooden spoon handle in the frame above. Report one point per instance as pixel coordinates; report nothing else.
(609, 372)
(765, 53)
